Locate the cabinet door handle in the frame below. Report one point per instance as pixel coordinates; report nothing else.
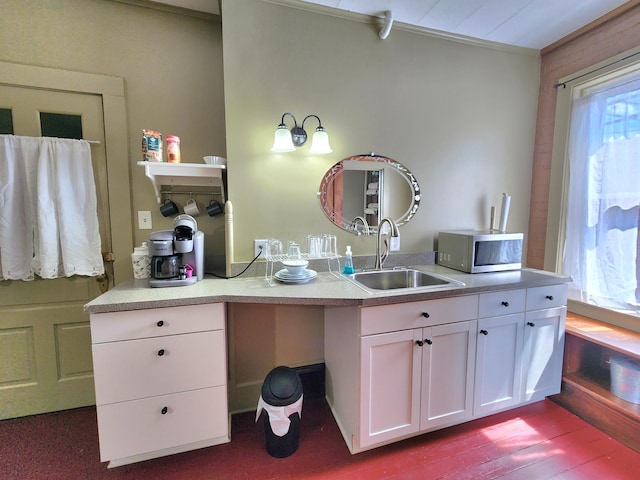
(164, 410)
(160, 323)
(428, 341)
(484, 332)
(549, 297)
(161, 352)
(425, 314)
(505, 304)
(531, 324)
(419, 343)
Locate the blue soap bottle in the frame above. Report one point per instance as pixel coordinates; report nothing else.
(348, 262)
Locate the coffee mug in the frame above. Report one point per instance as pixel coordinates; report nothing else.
(168, 208)
(191, 207)
(214, 208)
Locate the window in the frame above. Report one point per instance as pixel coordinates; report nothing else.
(601, 246)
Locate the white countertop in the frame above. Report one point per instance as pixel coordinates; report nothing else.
(326, 289)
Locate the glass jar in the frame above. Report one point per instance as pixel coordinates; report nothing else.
(173, 149)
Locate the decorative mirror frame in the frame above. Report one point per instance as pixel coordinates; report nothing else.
(326, 190)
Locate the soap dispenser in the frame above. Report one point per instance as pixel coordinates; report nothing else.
(348, 262)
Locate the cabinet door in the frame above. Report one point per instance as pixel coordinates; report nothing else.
(448, 359)
(390, 386)
(498, 363)
(542, 353)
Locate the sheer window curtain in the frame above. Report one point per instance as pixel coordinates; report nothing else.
(48, 209)
(601, 243)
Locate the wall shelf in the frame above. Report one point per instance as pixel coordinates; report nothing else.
(184, 175)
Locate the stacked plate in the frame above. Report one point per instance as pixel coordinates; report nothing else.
(285, 276)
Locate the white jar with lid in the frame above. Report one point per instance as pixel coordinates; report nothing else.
(141, 261)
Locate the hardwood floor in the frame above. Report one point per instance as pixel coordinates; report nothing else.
(537, 441)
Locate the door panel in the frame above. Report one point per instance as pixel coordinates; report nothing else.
(45, 345)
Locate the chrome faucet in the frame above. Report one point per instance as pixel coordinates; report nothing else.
(394, 233)
(365, 225)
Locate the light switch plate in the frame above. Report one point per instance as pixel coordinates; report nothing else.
(144, 220)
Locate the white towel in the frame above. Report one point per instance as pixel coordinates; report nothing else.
(48, 220)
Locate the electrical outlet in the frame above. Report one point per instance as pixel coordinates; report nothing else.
(258, 247)
(394, 246)
(144, 220)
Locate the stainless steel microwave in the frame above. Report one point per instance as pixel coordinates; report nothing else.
(475, 251)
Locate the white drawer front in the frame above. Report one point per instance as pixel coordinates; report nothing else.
(403, 316)
(158, 366)
(140, 426)
(114, 326)
(547, 297)
(503, 302)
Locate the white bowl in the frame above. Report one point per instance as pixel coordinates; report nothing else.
(295, 267)
(213, 160)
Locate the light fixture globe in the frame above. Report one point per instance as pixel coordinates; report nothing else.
(320, 142)
(282, 141)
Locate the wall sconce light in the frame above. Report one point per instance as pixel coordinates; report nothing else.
(287, 141)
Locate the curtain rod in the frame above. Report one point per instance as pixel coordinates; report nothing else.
(564, 84)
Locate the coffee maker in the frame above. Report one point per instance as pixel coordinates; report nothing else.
(177, 256)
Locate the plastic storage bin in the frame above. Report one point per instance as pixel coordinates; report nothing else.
(281, 401)
(625, 378)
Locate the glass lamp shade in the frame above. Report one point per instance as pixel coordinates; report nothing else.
(282, 141)
(320, 142)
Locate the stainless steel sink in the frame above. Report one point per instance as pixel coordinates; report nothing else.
(407, 278)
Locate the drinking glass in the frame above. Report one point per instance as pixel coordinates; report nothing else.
(329, 245)
(314, 246)
(294, 251)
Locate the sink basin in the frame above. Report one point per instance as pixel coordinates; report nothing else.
(383, 280)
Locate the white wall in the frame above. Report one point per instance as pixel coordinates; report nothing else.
(460, 117)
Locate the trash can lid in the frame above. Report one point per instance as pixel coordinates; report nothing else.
(281, 387)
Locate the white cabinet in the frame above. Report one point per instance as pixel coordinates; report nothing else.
(160, 378)
(416, 368)
(498, 363)
(448, 360)
(543, 342)
(431, 364)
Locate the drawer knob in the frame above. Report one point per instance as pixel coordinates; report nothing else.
(425, 314)
(484, 332)
(428, 341)
(161, 352)
(164, 410)
(505, 304)
(160, 323)
(531, 324)
(549, 297)
(419, 343)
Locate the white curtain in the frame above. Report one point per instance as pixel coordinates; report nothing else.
(48, 209)
(603, 202)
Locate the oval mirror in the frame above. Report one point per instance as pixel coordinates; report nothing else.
(359, 191)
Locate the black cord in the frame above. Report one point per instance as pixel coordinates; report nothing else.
(238, 274)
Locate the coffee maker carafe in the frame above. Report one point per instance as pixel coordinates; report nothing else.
(177, 256)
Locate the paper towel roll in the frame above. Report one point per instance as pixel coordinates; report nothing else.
(504, 214)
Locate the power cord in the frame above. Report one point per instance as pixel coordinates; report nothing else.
(238, 274)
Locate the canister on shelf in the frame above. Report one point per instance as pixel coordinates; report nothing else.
(173, 149)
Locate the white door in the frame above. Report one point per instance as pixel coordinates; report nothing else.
(448, 360)
(542, 353)
(45, 343)
(498, 363)
(390, 386)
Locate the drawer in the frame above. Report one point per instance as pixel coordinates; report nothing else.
(156, 322)
(140, 426)
(158, 366)
(403, 316)
(547, 297)
(503, 302)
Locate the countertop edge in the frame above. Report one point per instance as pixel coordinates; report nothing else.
(137, 295)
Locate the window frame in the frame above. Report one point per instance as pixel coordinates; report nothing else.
(567, 89)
